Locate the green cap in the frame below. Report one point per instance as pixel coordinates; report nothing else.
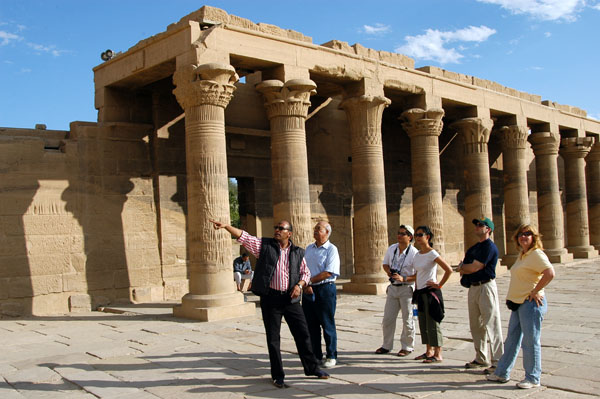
(486, 221)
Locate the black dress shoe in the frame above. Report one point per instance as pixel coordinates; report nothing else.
(279, 383)
(321, 375)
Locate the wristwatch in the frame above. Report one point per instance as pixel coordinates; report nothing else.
(299, 285)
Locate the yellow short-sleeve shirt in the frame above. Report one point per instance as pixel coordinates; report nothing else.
(525, 274)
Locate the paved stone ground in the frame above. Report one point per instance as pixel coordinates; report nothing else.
(147, 353)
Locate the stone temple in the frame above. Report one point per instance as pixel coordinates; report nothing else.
(118, 209)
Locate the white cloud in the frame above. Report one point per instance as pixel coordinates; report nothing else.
(547, 34)
(46, 49)
(6, 37)
(596, 6)
(431, 45)
(377, 29)
(546, 10)
(536, 68)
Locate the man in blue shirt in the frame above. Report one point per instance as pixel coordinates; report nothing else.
(319, 298)
(242, 270)
(478, 271)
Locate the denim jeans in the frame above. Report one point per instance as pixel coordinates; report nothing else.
(320, 312)
(524, 330)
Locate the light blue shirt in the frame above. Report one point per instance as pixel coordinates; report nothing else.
(323, 259)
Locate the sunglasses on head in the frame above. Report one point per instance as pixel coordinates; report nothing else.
(525, 234)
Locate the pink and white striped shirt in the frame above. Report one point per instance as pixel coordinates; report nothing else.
(281, 277)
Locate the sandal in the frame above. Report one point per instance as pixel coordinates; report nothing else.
(432, 359)
(382, 351)
(422, 357)
(404, 352)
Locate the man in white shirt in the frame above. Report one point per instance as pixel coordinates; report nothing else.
(398, 265)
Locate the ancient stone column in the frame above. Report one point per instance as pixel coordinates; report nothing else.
(364, 115)
(424, 128)
(550, 210)
(593, 179)
(475, 133)
(516, 195)
(287, 107)
(574, 150)
(204, 91)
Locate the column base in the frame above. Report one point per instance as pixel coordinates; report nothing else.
(213, 307)
(583, 252)
(365, 288)
(558, 255)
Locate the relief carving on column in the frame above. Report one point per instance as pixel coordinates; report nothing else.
(211, 84)
(544, 143)
(420, 122)
(291, 98)
(514, 137)
(475, 133)
(364, 115)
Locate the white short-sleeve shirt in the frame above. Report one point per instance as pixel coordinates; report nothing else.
(426, 268)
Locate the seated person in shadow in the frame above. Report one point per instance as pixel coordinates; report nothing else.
(242, 270)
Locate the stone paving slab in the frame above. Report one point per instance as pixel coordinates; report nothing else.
(142, 351)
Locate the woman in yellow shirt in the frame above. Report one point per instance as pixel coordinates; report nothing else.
(528, 276)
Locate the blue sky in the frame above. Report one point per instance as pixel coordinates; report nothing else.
(546, 47)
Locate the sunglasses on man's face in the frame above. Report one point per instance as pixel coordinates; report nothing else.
(479, 224)
(525, 234)
(280, 228)
(401, 233)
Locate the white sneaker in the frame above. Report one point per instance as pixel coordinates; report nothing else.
(495, 378)
(329, 363)
(526, 384)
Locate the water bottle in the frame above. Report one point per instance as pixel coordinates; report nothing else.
(415, 311)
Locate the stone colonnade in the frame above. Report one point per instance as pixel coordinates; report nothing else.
(204, 91)
(516, 194)
(424, 127)
(475, 133)
(574, 150)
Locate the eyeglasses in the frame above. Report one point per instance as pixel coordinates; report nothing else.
(479, 224)
(525, 234)
(420, 235)
(280, 228)
(401, 233)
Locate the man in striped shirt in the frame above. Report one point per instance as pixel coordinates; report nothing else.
(279, 278)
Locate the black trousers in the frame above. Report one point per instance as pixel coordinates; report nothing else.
(273, 307)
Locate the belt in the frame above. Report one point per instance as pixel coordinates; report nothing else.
(321, 284)
(476, 283)
(276, 292)
(400, 284)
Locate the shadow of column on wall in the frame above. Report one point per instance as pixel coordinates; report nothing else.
(96, 197)
(17, 190)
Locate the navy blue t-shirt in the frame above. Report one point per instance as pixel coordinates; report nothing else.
(485, 252)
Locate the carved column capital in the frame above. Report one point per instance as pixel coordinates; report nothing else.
(575, 147)
(594, 154)
(475, 133)
(206, 84)
(364, 115)
(291, 98)
(544, 143)
(514, 137)
(420, 122)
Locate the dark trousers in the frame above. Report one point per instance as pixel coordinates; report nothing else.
(273, 307)
(319, 310)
